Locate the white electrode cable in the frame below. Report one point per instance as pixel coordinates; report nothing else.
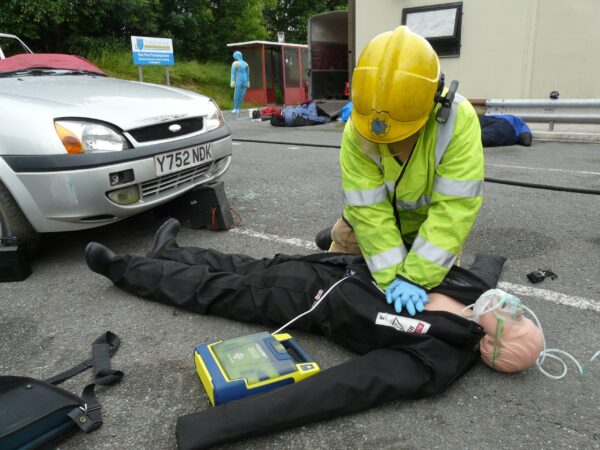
(312, 308)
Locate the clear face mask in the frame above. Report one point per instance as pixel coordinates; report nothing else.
(497, 301)
(507, 328)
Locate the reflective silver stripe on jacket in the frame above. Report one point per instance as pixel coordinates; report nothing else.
(390, 185)
(365, 197)
(458, 188)
(433, 253)
(411, 206)
(446, 130)
(386, 259)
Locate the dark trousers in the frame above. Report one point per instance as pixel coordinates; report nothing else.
(394, 363)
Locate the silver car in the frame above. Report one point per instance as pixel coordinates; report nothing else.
(79, 149)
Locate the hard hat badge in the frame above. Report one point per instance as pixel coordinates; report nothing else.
(379, 127)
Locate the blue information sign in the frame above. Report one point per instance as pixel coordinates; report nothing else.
(152, 51)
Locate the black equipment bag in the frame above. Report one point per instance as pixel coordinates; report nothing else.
(204, 207)
(14, 264)
(37, 414)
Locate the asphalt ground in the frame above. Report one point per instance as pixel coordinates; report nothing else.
(282, 195)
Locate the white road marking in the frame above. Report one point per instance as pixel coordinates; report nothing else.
(518, 289)
(293, 148)
(550, 296)
(274, 238)
(537, 169)
(236, 143)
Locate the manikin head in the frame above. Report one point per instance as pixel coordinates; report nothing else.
(237, 55)
(512, 342)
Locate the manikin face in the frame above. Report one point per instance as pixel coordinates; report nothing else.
(512, 343)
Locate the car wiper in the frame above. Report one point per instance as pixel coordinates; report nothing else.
(49, 72)
(29, 72)
(79, 72)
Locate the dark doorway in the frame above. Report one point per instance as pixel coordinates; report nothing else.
(274, 75)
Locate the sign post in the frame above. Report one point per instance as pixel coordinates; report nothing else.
(152, 51)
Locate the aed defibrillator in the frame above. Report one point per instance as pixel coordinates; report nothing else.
(247, 365)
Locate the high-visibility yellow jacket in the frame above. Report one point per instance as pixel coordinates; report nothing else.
(438, 197)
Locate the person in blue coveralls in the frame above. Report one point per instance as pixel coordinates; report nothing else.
(240, 80)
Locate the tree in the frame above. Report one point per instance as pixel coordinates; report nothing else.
(76, 26)
(238, 20)
(190, 23)
(291, 16)
(200, 29)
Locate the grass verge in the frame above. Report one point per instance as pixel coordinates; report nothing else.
(209, 78)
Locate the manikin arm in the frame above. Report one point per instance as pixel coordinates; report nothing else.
(361, 383)
(442, 302)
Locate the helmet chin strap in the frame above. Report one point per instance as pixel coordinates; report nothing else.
(515, 308)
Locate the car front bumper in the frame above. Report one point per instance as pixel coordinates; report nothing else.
(69, 192)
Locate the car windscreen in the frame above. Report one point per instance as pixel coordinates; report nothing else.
(11, 47)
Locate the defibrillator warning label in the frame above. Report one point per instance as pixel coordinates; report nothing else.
(401, 323)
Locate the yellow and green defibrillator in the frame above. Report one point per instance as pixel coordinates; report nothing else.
(247, 365)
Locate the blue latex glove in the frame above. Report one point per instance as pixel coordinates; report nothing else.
(402, 293)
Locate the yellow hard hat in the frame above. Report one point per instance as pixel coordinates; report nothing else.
(394, 86)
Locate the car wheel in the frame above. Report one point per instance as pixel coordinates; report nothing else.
(13, 222)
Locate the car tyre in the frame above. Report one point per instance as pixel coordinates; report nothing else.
(13, 222)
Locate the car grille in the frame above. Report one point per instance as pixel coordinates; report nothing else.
(161, 131)
(174, 180)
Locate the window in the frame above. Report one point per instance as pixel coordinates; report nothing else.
(292, 67)
(439, 24)
(304, 55)
(10, 47)
(253, 56)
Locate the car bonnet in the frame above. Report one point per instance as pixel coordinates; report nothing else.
(126, 104)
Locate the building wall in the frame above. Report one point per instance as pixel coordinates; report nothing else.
(510, 48)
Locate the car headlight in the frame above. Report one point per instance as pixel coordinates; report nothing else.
(214, 118)
(88, 137)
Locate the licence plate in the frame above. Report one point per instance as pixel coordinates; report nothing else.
(182, 159)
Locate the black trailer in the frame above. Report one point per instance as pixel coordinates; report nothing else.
(328, 57)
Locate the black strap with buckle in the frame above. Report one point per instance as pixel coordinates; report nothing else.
(89, 416)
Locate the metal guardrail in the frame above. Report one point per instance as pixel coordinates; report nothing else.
(582, 111)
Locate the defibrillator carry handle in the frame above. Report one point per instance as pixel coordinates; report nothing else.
(446, 102)
(296, 350)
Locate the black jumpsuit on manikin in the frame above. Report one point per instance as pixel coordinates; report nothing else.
(393, 363)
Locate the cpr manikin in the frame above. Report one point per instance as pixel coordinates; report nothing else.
(512, 342)
(332, 294)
